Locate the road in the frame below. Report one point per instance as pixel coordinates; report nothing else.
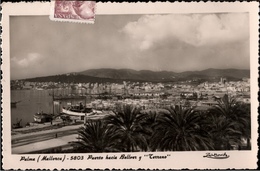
(23, 143)
(45, 145)
(42, 137)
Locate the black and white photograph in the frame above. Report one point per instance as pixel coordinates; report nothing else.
(131, 83)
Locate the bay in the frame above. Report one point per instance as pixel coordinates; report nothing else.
(33, 101)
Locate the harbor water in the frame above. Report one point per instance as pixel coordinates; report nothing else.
(33, 101)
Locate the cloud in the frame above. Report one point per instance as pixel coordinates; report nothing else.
(193, 29)
(30, 59)
(175, 42)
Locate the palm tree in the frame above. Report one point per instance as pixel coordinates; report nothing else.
(223, 133)
(127, 123)
(225, 106)
(235, 113)
(180, 129)
(148, 121)
(243, 120)
(96, 136)
(150, 118)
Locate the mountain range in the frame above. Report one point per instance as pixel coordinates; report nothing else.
(118, 75)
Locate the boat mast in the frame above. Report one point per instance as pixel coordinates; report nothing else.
(85, 109)
(53, 101)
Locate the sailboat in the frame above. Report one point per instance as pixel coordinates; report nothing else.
(42, 117)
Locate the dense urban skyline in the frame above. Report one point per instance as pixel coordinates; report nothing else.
(41, 47)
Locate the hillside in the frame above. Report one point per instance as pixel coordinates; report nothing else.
(120, 75)
(68, 78)
(235, 73)
(129, 74)
(165, 75)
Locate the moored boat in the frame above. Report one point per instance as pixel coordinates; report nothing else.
(43, 117)
(17, 124)
(79, 110)
(38, 88)
(73, 113)
(13, 104)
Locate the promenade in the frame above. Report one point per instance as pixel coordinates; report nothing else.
(43, 140)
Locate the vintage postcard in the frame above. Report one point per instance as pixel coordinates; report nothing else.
(146, 86)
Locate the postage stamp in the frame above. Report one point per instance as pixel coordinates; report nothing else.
(73, 11)
(148, 86)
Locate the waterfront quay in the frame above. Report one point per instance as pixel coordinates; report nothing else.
(44, 141)
(47, 137)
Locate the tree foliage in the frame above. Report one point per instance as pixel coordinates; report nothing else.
(176, 128)
(230, 123)
(96, 136)
(127, 123)
(180, 129)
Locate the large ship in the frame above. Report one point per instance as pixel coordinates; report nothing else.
(79, 110)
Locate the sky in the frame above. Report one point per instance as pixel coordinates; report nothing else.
(174, 42)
